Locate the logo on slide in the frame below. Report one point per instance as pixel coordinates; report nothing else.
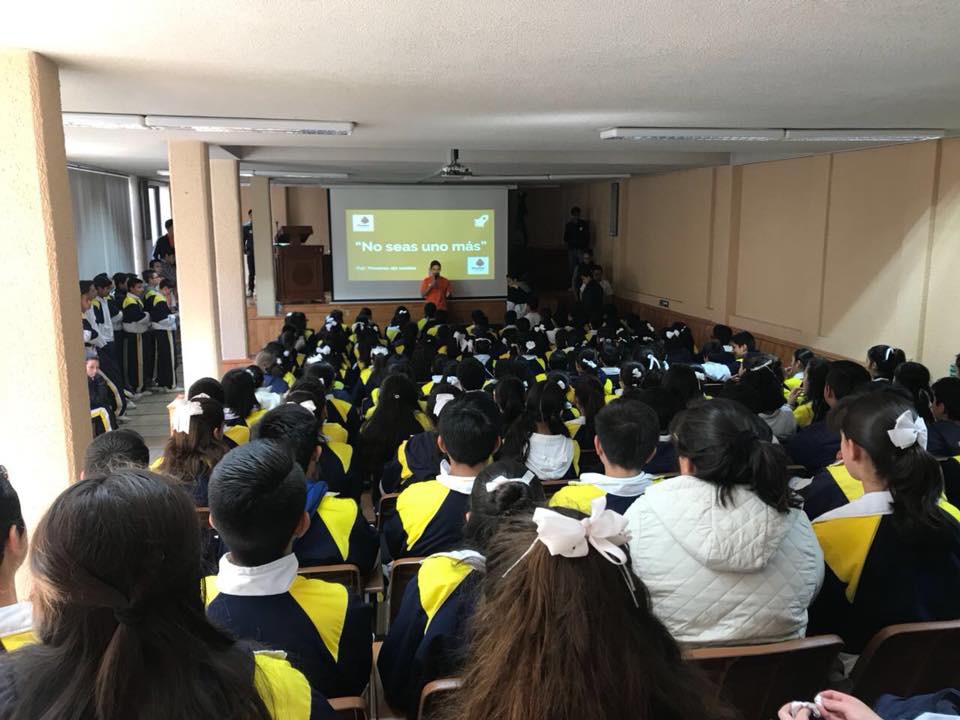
(479, 222)
(363, 223)
(478, 265)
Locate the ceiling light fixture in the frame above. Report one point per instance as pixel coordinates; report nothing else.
(691, 134)
(103, 121)
(303, 175)
(163, 173)
(863, 135)
(251, 125)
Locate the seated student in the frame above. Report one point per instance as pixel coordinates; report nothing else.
(589, 400)
(723, 335)
(117, 569)
(338, 532)
(727, 556)
(883, 361)
(626, 440)
(807, 400)
(429, 318)
(682, 381)
(266, 398)
(429, 515)
(428, 637)
(760, 387)
(114, 450)
(666, 406)
(339, 408)
(631, 377)
(240, 393)
(944, 438)
(743, 345)
(102, 401)
(471, 375)
(257, 499)
(335, 466)
(511, 396)
(16, 618)
(795, 373)
(541, 615)
(914, 378)
(419, 457)
(195, 445)
(893, 555)
(817, 445)
(539, 439)
(717, 364)
(397, 417)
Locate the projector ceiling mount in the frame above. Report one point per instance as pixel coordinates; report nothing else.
(455, 171)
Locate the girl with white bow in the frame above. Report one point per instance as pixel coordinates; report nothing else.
(892, 554)
(564, 630)
(195, 445)
(428, 636)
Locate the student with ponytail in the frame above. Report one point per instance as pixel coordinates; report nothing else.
(727, 556)
(120, 621)
(539, 438)
(892, 554)
(883, 361)
(195, 445)
(915, 379)
(428, 637)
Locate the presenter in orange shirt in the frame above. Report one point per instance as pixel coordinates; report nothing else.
(435, 288)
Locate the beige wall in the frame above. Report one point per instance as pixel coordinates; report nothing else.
(307, 205)
(838, 252)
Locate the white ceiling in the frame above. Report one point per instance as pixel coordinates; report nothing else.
(520, 87)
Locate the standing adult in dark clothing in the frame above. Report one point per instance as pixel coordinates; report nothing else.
(248, 251)
(591, 298)
(576, 236)
(164, 245)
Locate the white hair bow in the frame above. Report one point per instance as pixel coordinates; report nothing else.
(453, 380)
(501, 480)
(309, 405)
(653, 361)
(637, 373)
(441, 402)
(908, 432)
(183, 410)
(324, 350)
(531, 345)
(589, 363)
(672, 334)
(561, 384)
(541, 328)
(572, 538)
(379, 350)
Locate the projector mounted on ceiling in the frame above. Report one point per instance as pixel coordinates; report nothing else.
(454, 169)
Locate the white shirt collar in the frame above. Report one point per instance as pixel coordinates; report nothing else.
(16, 618)
(872, 503)
(624, 487)
(664, 438)
(462, 485)
(273, 578)
(469, 556)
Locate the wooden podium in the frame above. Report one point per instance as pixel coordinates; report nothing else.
(299, 267)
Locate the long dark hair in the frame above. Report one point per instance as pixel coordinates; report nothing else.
(589, 395)
(553, 613)
(725, 442)
(912, 475)
(510, 395)
(392, 422)
(545, 403)
(815, 379)
(192, 455)
(763, 375)
(239, 392)
(915, 378)
(120, 614)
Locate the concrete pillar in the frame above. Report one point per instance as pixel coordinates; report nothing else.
(196, 259)
(47, 424)
(228, 241)
(263, 246)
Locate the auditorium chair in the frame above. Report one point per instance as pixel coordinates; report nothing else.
(349, 708)
(402, 571)
(435, 694)
(758, 679)
(388, 506)
(343, 574)
(552, 487)
(203, 516)
(909, 659)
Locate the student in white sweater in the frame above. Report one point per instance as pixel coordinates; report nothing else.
(725, 553)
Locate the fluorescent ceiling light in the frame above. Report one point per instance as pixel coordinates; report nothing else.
(863, 135)
(691, 134)
(163, 173)
(103, 121)
(246, 173)
(534, 178)
(305, 175)
(251, 125)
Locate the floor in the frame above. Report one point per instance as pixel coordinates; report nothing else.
(151, 420)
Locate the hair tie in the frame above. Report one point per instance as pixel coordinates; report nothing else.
(501, 481)
(672, 334)
(183, 410)
(653, 361)
(531, 345)
(909, 432)
(887, 354)
(589, 363)
(379, 350)
(561, 384)
(249, 372)
(637, 373)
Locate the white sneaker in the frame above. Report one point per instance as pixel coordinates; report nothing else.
(128, 393)
(137, 396)
(131, 405)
